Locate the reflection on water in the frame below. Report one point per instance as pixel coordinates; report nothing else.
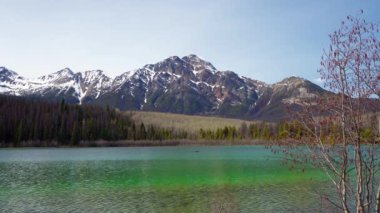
(161, 179)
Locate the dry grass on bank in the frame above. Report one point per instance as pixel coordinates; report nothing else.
(190, 123)
(183, 142)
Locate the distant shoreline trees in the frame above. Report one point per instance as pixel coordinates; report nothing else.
(28, 121)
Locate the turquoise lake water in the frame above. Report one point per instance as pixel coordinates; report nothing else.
(155, 179)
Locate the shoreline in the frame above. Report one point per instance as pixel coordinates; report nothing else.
(140, 143)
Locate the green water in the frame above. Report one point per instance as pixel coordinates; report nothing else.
(154, 179)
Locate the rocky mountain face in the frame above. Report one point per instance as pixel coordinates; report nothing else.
(187, 85)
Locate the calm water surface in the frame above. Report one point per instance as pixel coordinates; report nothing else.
(154, 179)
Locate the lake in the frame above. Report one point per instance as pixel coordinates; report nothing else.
(155, 179)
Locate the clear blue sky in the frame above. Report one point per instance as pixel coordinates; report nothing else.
(265, 40)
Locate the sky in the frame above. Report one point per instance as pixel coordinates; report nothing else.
(266, 40)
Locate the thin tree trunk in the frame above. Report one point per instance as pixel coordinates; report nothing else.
(343, 179)
(345, 152)
(378, 199)
(359, 172)
(344, 193)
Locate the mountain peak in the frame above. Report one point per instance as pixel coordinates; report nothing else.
(93, 72)
(198, 63)
(61, 75)
(94, 75)
(6, 72)
(192, 56)
(292, 80)
(66, 70)
(172, 59)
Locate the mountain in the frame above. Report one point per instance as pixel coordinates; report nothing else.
(278, 97)
(187, 85)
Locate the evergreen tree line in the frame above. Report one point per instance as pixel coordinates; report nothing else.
(255, 131)
(62, 124)
(294, 130)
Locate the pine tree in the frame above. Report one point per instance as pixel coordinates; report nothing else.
(266, 132)
(75, 135)
(142, 132)
(133, 131)
(18, 135)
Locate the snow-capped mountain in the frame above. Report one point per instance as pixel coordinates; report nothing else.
(11, 83)
(188, 85)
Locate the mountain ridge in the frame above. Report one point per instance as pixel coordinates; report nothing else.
(187, 85)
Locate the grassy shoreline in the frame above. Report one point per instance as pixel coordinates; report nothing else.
(142, 143)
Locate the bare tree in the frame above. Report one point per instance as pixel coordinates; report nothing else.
(340, 138)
